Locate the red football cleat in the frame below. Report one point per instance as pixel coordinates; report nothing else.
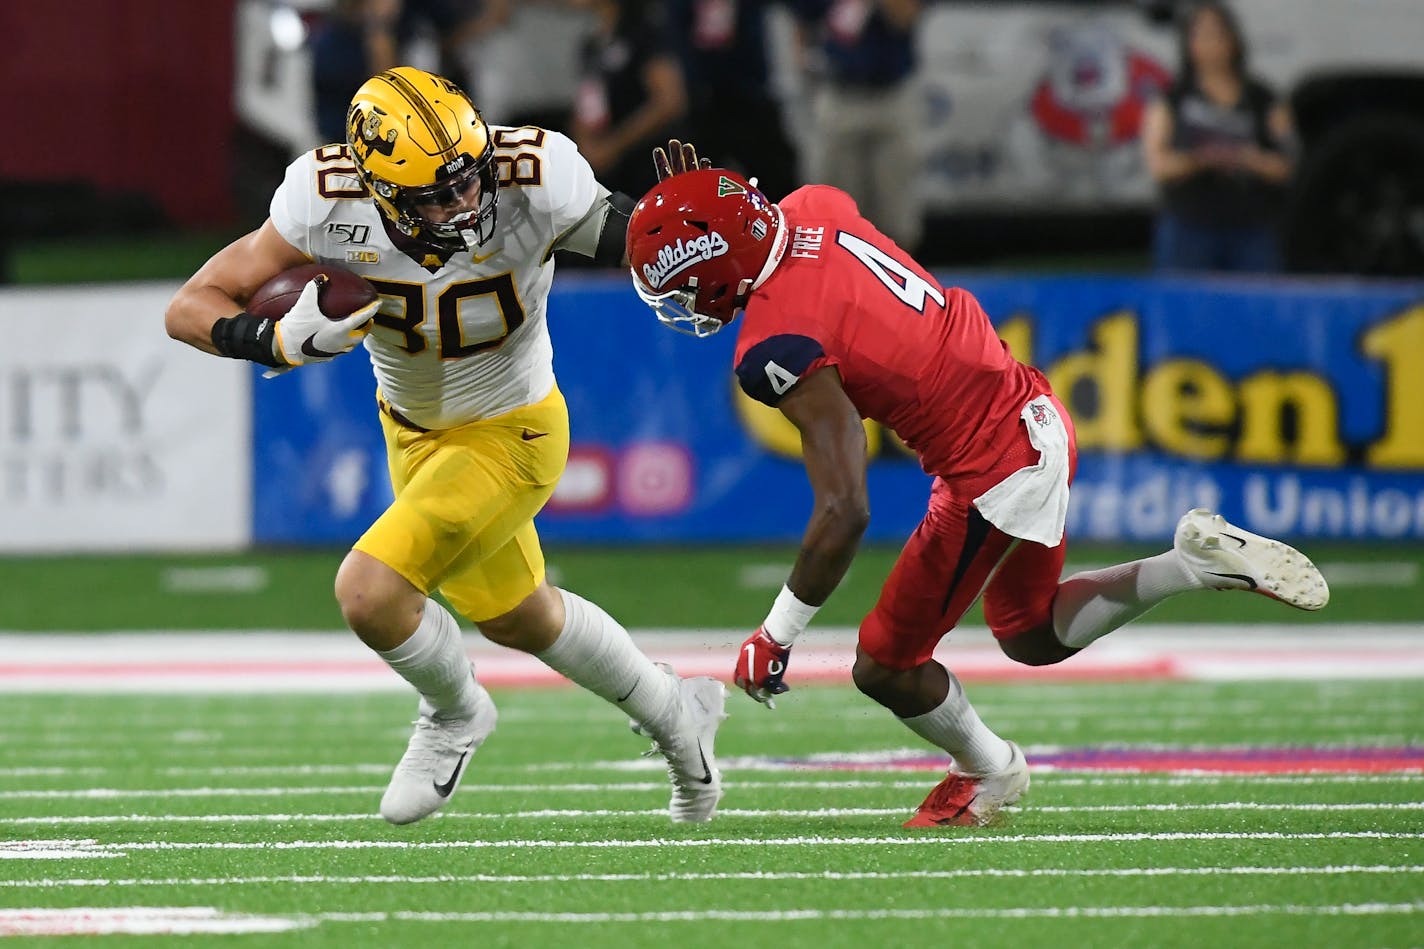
(972, 800)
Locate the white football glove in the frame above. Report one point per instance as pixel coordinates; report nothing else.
(306, 335)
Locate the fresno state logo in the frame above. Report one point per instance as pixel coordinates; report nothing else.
(1096, 88)
(1043, 416)
(674, 258)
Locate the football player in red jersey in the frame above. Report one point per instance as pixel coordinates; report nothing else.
(840, 324)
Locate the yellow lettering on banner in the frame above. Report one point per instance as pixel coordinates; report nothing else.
(1399, 344)
(1111, 370)
(1017, 333)
(1187, 408)
(1265, 397)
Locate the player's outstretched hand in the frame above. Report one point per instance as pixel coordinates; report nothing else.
(307, 335)
(677, 158)
(760, 667)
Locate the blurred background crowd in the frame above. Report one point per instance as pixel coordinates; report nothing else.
(1121, 134)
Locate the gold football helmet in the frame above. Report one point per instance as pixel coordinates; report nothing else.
(423, 149)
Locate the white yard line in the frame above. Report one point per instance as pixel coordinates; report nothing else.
(934, 840)
(660, 812)
(155, 920)
(754, 875)
(795, 915)
(1054, 779)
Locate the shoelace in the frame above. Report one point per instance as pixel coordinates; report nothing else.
(430, 741)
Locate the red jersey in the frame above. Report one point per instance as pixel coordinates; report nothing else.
(915, 357)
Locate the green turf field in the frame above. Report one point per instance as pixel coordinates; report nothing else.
(263, 807)
(726, 587)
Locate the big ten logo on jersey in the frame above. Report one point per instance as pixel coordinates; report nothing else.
(523, 167)
(806, 241)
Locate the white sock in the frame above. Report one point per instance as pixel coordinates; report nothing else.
(595, 651)
(957, 728)
(1091, 604)
(434, 660)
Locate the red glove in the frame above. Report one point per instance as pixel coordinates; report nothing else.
(760, 665)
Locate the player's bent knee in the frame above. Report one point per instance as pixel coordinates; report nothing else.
(1038, 646)
(874, 680)
(378, 604)
(530, 627)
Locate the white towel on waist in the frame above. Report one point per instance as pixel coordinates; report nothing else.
(1032, 503)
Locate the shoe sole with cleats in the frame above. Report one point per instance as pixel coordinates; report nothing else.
(1226, 557)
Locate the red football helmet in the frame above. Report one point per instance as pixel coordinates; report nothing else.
(699, 243)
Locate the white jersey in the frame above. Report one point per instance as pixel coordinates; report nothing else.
(466, 339)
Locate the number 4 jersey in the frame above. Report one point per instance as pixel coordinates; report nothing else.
(915, 357)
(459, 336)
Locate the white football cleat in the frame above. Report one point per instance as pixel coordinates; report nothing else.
(436, 759)
(963, 799)
(689, 748)
(1225, 557)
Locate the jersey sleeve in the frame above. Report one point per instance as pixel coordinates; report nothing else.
(293, 205)
(771, 368)
(570, 188)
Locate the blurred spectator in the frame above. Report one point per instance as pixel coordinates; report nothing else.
(528, 69)
(632, 94)
(357, 41)
(866, 109)
(735, 115)
(363, 37)
(1216, 144)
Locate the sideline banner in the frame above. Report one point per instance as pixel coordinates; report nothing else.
(1295, 408)
(113, 436)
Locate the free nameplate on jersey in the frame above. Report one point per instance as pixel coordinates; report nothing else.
(672, 259)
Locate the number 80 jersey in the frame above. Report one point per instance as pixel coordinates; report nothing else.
(463, 336)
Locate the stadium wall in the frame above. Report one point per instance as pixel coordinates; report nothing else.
(1293, 407)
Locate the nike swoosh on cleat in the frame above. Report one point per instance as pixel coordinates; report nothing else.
(625, 695)
(444, 789)
(1235, 576)
(957, 814)
(1239, 540)
(707, 772)
(529, 436)
(309, 350)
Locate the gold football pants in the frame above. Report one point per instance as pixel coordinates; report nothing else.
(462, 520)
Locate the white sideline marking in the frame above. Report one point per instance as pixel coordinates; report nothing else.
(1386, 573)
(233, 579)
(213, 661)
(545, 813)
(140, 920)
(767, 875)
(761, 842)
(794, 915)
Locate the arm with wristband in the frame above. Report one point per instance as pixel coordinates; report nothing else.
(206, 313)
(833, 447)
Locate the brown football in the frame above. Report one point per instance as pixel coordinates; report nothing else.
(341, 293)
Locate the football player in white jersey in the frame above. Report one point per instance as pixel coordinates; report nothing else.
(455, 223)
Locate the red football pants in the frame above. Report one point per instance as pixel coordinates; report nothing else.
(953, 556)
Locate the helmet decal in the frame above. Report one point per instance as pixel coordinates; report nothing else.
(726, 186)
(673, 259)
(369, 138)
